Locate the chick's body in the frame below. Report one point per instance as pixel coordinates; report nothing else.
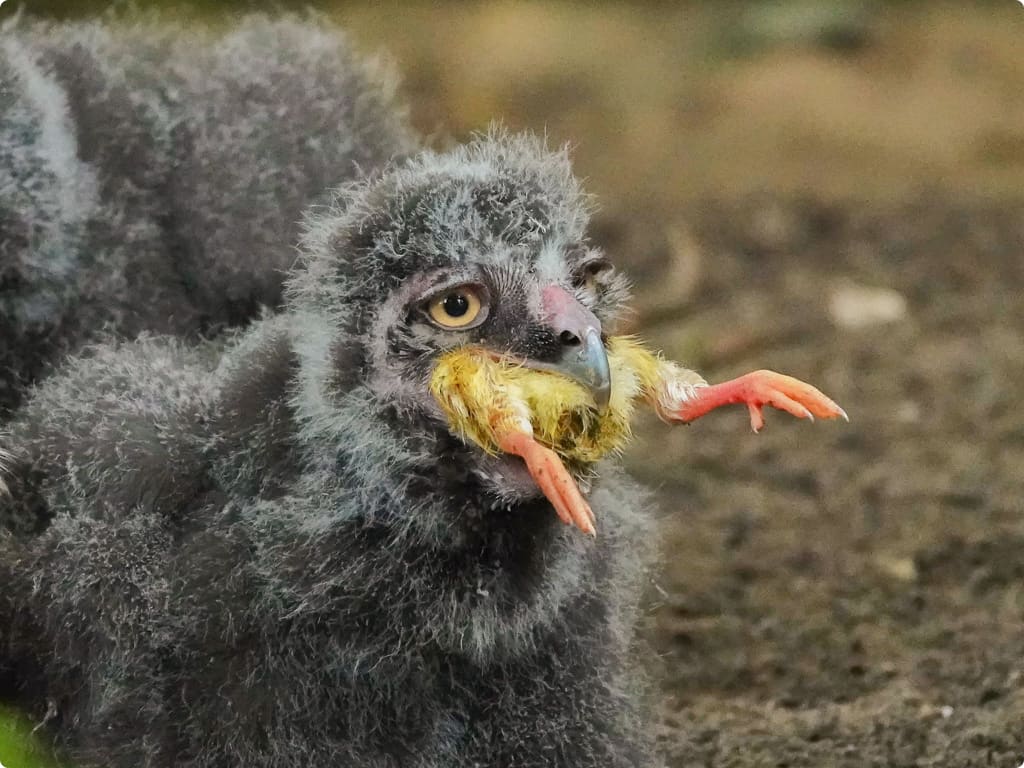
(276, 553)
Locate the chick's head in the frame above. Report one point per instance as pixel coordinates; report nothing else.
(482, 247)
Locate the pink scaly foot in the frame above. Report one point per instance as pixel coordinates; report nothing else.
(553, 479)
(757, 390)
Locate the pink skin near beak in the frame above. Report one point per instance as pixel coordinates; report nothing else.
(561, 309)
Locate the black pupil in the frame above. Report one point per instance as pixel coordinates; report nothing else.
(456, 305)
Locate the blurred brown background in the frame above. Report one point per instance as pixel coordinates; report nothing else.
(832, 189)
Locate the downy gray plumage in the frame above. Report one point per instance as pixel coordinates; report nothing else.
(153, 178)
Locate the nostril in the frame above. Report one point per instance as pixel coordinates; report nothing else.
(569, 339)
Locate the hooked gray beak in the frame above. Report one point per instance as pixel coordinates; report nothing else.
(587, 363)
(583, 357)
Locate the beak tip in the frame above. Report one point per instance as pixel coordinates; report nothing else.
(594, 360)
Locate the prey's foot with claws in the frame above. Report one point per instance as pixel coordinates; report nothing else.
(756, 390)
(553, 479)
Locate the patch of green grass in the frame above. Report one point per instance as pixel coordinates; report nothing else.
(19, 746)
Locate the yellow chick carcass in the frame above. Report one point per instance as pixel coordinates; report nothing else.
(548, 419)
(485, 397)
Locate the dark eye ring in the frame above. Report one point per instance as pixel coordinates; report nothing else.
(589, 275)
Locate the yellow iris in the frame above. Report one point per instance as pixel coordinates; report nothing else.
(456, 308)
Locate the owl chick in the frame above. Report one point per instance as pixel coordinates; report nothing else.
(277, 552)
(153, 178)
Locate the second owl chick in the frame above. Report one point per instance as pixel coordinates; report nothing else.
(153, 178)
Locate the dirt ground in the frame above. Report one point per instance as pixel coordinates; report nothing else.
(850, 595)
(831, 594)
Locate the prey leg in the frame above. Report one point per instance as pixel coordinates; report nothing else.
(756, 390)
(553, 479)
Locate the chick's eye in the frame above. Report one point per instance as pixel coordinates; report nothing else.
(457, 307)
(591, 275)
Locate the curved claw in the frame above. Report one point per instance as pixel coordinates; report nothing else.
(757, 390)
(553, 479)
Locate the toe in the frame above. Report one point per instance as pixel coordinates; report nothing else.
(785, 403)
(796, 397)
(559, 487)
(756, 417)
